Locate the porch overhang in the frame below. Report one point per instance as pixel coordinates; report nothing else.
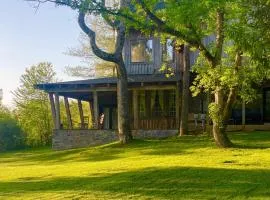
(83, 89)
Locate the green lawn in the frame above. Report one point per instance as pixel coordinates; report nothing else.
(177, 168)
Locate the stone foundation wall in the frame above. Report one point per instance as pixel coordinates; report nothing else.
(70, 139)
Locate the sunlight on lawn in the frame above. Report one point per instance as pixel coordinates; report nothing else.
(175, 168)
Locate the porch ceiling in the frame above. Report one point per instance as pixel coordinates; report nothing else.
(104, 97)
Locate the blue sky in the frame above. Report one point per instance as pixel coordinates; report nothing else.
(29, 36)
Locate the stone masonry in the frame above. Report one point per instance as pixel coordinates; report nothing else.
(71, 139)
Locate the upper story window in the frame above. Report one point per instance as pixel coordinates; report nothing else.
(142, 51)
(167, 51)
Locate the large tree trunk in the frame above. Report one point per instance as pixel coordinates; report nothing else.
(220, 136)
(123, 106)
(185, 92)
(224, 109)
(220, 117)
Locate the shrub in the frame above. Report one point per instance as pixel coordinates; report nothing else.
(11, 135)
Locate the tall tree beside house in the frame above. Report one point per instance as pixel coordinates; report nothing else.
(225, 67)
(116, 57)
(32, 105)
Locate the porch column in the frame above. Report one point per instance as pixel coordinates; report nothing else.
(96, 109)
(68, 113)
(57, 109)
(81, 113)
(243, 114)
(177, 105)
(135, 109)
(92, 113)
(53, 109)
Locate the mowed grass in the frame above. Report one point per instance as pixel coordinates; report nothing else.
(190, 167)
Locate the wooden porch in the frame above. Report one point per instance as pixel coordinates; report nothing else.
(154, 103)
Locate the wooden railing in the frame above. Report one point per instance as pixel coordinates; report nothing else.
(158, 124)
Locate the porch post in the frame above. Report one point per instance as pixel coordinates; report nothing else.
(177, 105)
(53, 109)
(68, 113)
(81, 113)
(96, 109)
(243, 114)
(57, 109)
(135, 109)
(92, 114)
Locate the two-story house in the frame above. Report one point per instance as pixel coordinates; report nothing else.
(154, 97)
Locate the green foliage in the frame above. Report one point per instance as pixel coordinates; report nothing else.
(32, 105)
(11, 135)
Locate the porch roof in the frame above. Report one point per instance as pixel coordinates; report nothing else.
(133, 80)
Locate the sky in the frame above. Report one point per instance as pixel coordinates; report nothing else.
(29, 36)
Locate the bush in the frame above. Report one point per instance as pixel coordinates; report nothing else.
(11, 135)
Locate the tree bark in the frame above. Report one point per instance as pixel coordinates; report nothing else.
(185, 92)
(220, 136)
(219, 121)
(123, 105)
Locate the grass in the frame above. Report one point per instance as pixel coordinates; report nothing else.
(175, 168)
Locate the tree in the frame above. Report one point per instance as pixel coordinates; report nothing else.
(85, 7)
(32, 105)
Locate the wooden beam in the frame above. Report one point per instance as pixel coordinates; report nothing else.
(135, 109)
(177, 105)
(81, 113)
(53, 109)
(70, 125)
(96, 108)
(91, 108)
(57, 110)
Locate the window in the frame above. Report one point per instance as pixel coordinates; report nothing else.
(157, 103)
(142, 51)
(167, 51)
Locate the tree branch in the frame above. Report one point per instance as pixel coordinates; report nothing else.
(233, 91)
(92, 36)
(219, 36)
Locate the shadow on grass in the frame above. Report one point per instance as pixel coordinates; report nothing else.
(49, 156)
(154, 183)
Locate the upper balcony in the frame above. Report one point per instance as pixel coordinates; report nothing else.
(146, 55)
